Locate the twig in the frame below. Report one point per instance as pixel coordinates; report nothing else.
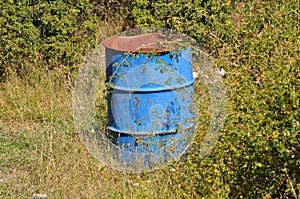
(291, 184)
(217, 38)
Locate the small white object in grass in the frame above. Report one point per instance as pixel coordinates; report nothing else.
(136, 184)
(1, 180)
(38, 195)
(172, 169)
(221, 72)
(195, 75)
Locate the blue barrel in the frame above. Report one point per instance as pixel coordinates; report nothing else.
(150, 103)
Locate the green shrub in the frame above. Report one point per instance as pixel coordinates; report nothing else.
(257, 43)
(51, 34)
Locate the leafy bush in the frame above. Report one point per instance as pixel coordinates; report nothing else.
(51, 34)
(258, 44)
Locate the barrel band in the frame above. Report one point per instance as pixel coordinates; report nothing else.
(145, 134)
(154, 89)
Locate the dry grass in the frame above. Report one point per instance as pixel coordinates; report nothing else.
(46, 160)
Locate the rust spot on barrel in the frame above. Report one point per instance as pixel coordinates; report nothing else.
(137, 101)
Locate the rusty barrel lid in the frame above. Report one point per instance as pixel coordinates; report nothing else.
(144, 43)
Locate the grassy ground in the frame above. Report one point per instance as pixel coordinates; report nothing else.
(44, 159)
(41, 154)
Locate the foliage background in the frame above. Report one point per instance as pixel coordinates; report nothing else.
(256, 42)
(51, 34)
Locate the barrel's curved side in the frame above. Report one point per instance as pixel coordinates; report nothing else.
(151, 102)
